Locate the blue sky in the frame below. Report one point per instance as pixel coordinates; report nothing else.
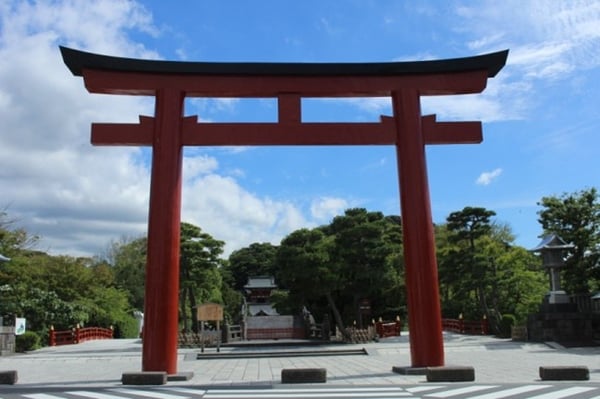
(540, 115)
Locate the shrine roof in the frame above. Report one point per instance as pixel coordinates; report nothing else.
(260, 282)
(551, 241)
(266, 309)
(77, 61)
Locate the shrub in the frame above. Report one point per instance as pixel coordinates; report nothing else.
(27, 341)
(507, 321)
(126, 328)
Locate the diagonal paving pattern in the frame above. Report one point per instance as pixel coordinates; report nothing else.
(102, 363)
(546, 391)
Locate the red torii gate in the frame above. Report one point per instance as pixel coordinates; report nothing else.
(170, 82)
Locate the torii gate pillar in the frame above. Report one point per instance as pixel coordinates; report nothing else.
(168, 131)
(427, 348)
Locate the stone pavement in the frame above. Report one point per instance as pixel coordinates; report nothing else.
(102, 363)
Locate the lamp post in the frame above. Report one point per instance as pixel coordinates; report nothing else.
(552, 249)
(2, 260)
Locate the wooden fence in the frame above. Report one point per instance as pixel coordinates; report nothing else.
(466, 327)
(275, 333)
(388, 329)
(78, 335)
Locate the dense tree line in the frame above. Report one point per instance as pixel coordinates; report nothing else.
(351, 270)
(58, 291)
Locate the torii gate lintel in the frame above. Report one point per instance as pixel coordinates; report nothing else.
(168, 131)
(280, 133)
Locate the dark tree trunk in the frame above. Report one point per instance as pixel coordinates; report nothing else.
(338, 317)
(193, 307)
(183, 313)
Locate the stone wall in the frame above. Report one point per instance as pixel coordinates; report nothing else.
(272, 322)
(564, 327)
(7, 340)
(274, 327)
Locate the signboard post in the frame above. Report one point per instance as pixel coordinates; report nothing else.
(210, 312)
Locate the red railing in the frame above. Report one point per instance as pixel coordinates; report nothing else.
(466, 327)
(388, 329)
(78, 335)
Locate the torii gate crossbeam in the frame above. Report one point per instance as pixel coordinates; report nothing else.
(168, 131)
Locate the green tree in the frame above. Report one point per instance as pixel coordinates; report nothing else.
(466, 228)
(519, 284)
(357, 256)
(482, 272)
(59, 291)
(232, 298)
(13, 239)
(63, 291)
(258, 259)
(128, 258)
(367, 248)
(109, 306)
(199, 277)
(306, 270)
(575, 217)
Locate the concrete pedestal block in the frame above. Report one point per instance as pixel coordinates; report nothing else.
(450, 374)
(8, 377)
(300, 376)
(409, 370)
(182, 376)
(560, 373)
(144, 378)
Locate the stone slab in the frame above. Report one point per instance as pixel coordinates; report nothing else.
(181, 376)
(8, 377)
(144, 378)
(564, 373)
(450, 374)
(303, 376)
(408, 370)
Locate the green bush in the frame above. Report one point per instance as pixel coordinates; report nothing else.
(27, 341)
(507, 321)
(126, 328)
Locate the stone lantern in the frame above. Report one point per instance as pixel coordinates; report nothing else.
(7, 334)
(552, 249)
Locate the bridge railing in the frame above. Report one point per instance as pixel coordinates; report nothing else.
(388, 328)
(461, 326)
(78, 335)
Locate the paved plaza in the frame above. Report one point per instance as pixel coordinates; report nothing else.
(102, 363)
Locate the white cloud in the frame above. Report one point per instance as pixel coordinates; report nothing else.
(556, 32)
(195, 166)
(376, 105)
(325, 208)
(75, 196)
(230, 213)
(485, 42)
(78, 197)
(548, 41)
(486, 178)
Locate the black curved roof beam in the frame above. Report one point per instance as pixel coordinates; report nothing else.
(77, 61)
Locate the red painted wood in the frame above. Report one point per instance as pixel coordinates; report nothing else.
(450, 132)
(288, 133)
(111, 82)
(168, 131)
(161, 307)
(289, 109)
(426, 343)
(124, 133)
